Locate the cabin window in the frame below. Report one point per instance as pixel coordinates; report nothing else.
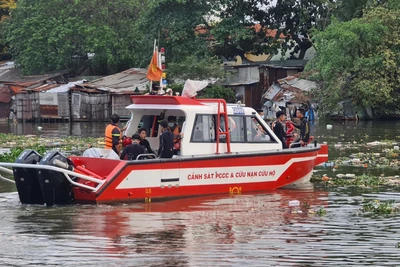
(255, 132)
(236, 128)
(203, 130)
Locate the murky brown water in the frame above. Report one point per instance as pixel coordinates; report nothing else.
(244, 230)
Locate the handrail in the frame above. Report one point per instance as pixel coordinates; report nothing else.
(8, 171)
(225, 114)
(61, 170)
(146, 155)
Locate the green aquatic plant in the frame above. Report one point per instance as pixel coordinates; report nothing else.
(376, 207)
(364, 180)
(320, 212)
(71, 144)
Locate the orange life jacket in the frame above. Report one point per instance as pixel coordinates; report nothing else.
(176, 132)
(109, 135)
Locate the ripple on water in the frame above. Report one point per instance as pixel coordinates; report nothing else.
(251, 230)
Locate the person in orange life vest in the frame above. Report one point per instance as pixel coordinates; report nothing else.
(113, 135)
(166, 149)
(133, 150)
(176, 130)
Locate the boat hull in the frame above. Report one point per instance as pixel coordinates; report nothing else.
(154, 180)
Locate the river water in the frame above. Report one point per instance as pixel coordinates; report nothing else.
(264, 229)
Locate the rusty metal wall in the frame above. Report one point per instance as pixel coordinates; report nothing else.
(28, 107)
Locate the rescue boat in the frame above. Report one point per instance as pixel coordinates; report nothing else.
(225, 149)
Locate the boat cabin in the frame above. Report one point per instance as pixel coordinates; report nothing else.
(204, 123)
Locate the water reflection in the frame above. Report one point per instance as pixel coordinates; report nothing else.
(244, 230)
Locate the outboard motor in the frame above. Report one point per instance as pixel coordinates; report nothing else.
(56, 189)
(26, 179)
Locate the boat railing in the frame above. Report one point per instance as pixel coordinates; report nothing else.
(66, 173)
(222, 111)
(146, 156)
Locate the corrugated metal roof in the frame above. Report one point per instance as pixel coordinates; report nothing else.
(123, 82)
(290, 89)
(284, 64)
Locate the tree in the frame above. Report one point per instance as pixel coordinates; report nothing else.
(47, 35)
(196, 68)
(177, 25)
(5, 7)
(217, 91)
(359, 60)
(236, 33)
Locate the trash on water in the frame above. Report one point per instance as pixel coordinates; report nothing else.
(294, 203)
(329, 126)
(327, 164)
(375, 143)
(396, 147)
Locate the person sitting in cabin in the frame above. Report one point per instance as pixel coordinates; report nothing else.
(166, 149)
(143, 142)
(133, 150)
(277, 127)
(113, 135)
(304, 129)
(176, 130)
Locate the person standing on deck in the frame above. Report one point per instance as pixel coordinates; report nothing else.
(304, 129)
(176, 130)
(277, 127)
(166, 149)
(113, 135)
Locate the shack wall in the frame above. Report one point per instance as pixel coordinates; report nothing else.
(90, 106)
(119, 104)
(28, 107)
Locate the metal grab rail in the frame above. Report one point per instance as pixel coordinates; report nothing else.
(224, 113)
(61, 170)
(146, 155)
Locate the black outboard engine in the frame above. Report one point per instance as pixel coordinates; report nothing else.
(56, 189)
(26, 179)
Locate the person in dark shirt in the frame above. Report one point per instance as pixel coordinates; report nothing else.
(166, 149)
(143, 142)
(304, 129)
(131, 152)
(277, 127)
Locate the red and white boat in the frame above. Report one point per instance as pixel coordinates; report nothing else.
(226, 149)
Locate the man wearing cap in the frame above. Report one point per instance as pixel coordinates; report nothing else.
(277, 127)
(131, 152)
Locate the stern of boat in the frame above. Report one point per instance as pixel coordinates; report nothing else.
(322, 155)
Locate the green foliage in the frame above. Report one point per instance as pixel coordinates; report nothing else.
(174, 24)
(217, 91)
(359, 60)
(375, 207)
(321, 211)
(16, 151)
(196, 68)
(47, 35)
(236, 35)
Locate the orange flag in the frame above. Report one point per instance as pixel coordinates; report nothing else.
(154, 73)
